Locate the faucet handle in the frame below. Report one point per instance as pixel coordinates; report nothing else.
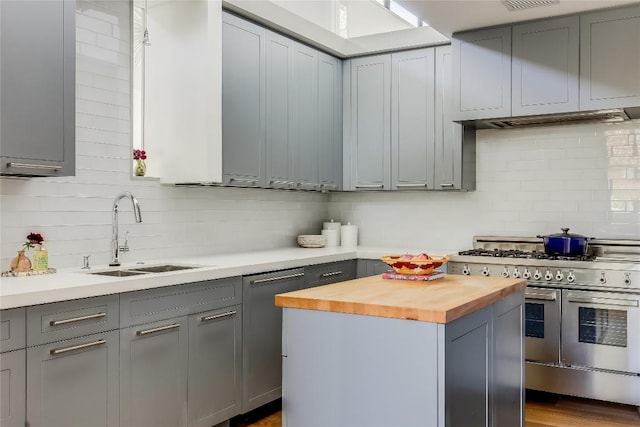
(125, 247)
(86, 265)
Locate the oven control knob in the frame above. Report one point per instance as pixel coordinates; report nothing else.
(603, 279)
(548, 275)
(537, 275)
(516, 273)
(627, 279)
(465, 270)
(559, 276)
(571, 277)
(505, 272)
(526, 274)
(485, 271)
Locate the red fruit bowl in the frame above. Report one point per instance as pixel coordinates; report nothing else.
(414, 265)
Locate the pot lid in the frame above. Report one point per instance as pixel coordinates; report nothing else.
(565, 233)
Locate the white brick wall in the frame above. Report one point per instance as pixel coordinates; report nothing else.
(533, 181)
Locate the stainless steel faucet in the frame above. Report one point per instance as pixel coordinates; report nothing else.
(115, 246)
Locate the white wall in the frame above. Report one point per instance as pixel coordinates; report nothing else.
(74, 214)
(529, 182)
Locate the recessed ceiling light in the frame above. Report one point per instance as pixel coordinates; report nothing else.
(513, 5)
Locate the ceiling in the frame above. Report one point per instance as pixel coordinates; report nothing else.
(450, 16)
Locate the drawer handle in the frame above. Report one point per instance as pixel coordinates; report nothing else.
(603, 301)
(540, 297)
(77, 319)
(447, 185)
(279, 182)
(273, 279)
(246, 181)
(156, 330)
(370, 186)
(218, 316)
(333, 273)
(33, 166)
(77, 347)
(412, 185)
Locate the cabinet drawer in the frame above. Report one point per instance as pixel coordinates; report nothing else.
(12, 329)
(70, 319)
(158, 304)
(332, 272)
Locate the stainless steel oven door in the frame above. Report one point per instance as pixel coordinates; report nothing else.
(542, 324)
(601, 330)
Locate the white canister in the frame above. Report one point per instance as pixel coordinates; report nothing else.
(332, 225)
(349, 235)
(332, 238)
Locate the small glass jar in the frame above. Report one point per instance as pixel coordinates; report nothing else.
(21, 263)
(40, 259)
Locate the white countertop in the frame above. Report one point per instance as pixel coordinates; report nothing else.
(74, 283)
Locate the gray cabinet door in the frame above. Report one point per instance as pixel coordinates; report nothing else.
(37, 82)
(545, 66)
(153, 374)
(610, 59)
(329, 122)
(262, 335)
(331, 272)
(214, 366)
(12, 329)
(243, 103)
(12, 389)
(371, 267)
(482, 74)
(370, 122)
(412, 120)
(279, 114)
(305, 112)
(455, 148)
(74, 382)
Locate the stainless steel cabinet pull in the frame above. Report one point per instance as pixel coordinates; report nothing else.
(370, 186)
(280, 182)
(249, 181)
(77, 319)
(33, 166)
(333, 273)
(604, 301)
(447, 184)
(218, 316)
(160, 329)
(412, 185)
(540, 297)
(77, 347)
(273, 279)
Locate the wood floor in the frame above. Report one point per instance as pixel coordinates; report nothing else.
(542, 410)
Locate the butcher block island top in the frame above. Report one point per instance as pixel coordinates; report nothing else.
(438, 301)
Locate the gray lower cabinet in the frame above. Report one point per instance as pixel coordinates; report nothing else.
(74, 382)
(153, 374)
(262, 335)
(371, 267)
(12, 388)
(546, 80)
(243, 102)
(331, 272)
(37, 82)
(482, 74)
(610, 59)
(215, 349)
(455, 145)
(412, 120)
(329, 122)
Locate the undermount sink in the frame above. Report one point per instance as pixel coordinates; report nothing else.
(162, 268)
(118, 273)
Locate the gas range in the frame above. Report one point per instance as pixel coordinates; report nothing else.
(609, 264)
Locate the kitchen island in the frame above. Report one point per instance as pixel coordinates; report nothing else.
(375, 352)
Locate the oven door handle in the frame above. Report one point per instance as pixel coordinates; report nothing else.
(539, 297)
(603, 301)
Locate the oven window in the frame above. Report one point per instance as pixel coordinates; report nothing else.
(602, 326)
(534, 320)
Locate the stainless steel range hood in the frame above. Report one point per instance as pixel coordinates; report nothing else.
(613, 115)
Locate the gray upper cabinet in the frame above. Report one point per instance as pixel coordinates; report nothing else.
(482, 74)
(279, 113)
(37, 83)
(243, 103)
(412, 119)
(610, 59)
(305, 110)
(545, 66)
(370, 123)
(329, 122)
(455, 145)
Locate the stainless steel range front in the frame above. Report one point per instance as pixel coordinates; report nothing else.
(582, 315)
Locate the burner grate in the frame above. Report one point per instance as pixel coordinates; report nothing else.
(517, 253)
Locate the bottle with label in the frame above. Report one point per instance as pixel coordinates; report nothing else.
(40, 259)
